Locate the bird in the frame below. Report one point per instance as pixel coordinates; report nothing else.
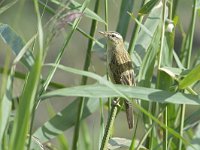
(119, 66)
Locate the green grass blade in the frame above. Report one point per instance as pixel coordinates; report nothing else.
(190, 78)
(84, 78)
(5, 100)
(23, 116)
(148, 63)
(22, 120)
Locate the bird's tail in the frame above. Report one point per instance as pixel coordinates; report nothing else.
(129, 113)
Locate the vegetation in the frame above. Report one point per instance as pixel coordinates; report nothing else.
(167, 75)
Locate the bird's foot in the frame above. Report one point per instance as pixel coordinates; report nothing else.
(115, 102)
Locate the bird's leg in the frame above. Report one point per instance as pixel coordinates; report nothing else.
(115, 102)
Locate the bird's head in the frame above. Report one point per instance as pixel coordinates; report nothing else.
(113, 38)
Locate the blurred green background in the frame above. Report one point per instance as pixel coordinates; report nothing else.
(21, 17)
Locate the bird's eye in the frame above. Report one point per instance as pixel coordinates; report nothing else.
(112, 35)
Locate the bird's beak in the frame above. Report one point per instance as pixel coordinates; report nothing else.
(103, 33)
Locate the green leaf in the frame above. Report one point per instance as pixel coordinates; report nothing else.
(26, 104)
(144, 40)
(16, 43)
(148, 94)
(6, 105)
(192, 77)
(161, 96)
(173, 72)
(21, 126)
(148, 7)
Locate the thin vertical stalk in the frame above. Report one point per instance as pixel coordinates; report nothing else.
(134, 134)
(162, 34)
(165, 132)
(106, 29)
(84, 78)
(135, 32)
(143, 138)
(109, 128)
(175, 4)
(194, 12)
(106, 14)
(51, 73)
(170, 8)
(182, 114)
(187, 65)
(101, 122)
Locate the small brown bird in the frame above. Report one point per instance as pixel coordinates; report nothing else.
(120, 67)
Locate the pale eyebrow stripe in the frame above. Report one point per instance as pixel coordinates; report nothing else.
(117, 35)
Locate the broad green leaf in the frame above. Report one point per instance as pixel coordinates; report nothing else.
(173, 72)
(148, 94)
(144, 40)
(168, 96)
(192, 77)
(16, 43)
(118, 91)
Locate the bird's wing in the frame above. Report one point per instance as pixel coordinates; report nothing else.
(128, 78)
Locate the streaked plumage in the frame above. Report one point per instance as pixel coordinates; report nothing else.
(120, 67)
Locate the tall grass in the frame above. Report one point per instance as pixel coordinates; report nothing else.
(167, 78)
